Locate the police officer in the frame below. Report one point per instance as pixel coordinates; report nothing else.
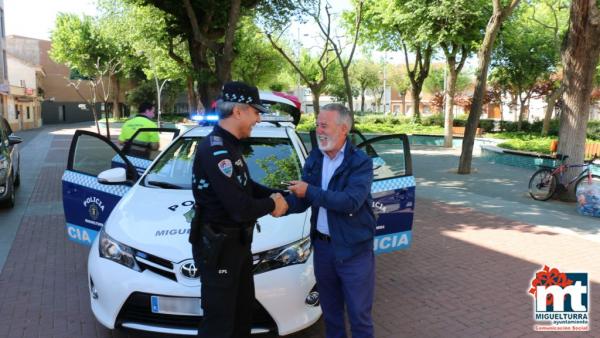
(228, 202)
(146, 141)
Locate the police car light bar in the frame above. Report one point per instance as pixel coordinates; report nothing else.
(201, 118)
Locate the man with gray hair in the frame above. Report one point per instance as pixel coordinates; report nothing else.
(336, 183)
(228, 203)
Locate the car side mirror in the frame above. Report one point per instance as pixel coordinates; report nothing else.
(113, 176)
(14, 139)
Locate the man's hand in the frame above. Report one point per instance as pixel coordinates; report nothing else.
(281, 205)
(298, 188)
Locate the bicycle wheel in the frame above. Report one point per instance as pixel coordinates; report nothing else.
(542, 185)
(584, 180)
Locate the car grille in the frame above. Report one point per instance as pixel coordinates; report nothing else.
(137, 309)
(155, 264)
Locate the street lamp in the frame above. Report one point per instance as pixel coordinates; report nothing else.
(158, 94)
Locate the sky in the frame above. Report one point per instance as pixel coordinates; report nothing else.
(35, 18)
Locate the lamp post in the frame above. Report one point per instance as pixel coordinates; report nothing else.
(158, 94)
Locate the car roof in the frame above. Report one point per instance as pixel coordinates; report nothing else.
(263, 129)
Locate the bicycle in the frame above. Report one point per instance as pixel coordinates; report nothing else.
(543, 183)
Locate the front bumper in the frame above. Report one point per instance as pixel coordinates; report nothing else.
(123, 298)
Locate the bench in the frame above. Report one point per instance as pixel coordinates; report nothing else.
(460, 131)
(591, 149)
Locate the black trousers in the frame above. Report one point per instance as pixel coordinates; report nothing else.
(227, 290)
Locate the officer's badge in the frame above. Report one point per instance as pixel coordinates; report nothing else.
(226, 167)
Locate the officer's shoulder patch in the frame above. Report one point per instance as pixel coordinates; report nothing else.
(216, 141)
(226, 167)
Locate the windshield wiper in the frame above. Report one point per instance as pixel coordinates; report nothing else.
(166, 185)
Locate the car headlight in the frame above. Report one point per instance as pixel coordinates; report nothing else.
(117, 252)
(293, 253)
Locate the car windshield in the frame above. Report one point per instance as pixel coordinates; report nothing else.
(271, 161)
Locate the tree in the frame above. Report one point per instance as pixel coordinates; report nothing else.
(160, 55)
(209, 29)
(256, 62)
(580, 59)
(338, 45)
(80, 44)
(499, 14)
(401, 83)
(395, 25)
(365, 73)
(523, 57)
(312, 69)
(434, 84)
(552, 16)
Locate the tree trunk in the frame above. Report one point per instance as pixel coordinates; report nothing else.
(403, 96)
(362, 100)
(522, 111)
(580, 57)
(551, 101)
(116, 106)
(191, 95)
(513, 107)
(484, 57)
(348, 88)
(416, 93)
(316, 105)
(449, 103)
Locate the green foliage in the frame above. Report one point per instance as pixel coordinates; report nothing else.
(525, 53)
(593, 130)
(433, 120)
(486, 125)
(79, 44)
(435, 81)
(256, 62)
(278, 170)
(379, 124)
(527, 142)
(144, 92)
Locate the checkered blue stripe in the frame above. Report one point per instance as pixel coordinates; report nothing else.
(92, 183)
(393, 184)
(137, 162)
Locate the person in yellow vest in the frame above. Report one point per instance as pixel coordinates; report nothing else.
(143, 119)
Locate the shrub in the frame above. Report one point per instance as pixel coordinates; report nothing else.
(593, 130)
(458, 122)
(433, 120)
(486, 125)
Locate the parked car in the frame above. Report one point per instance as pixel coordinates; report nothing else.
(135, 213)
(10, 174)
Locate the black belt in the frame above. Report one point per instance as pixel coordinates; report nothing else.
(322, 236)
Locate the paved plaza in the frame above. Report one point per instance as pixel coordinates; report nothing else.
(477, 241)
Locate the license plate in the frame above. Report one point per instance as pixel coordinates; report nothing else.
(176, 306)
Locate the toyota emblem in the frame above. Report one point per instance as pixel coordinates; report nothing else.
(188, 270)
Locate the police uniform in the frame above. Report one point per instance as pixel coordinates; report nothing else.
(228, 202)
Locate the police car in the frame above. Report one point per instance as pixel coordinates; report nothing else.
(135, 214)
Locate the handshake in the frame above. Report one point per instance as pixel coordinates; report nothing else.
(281, 205)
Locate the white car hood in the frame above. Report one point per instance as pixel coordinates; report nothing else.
(154, 221)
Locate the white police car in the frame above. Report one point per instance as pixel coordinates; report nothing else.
(141, 273)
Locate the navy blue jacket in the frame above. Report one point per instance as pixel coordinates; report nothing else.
(347, 200)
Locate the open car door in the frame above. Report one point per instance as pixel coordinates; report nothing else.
(393, 191)
(87, 202)
(145, 145)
